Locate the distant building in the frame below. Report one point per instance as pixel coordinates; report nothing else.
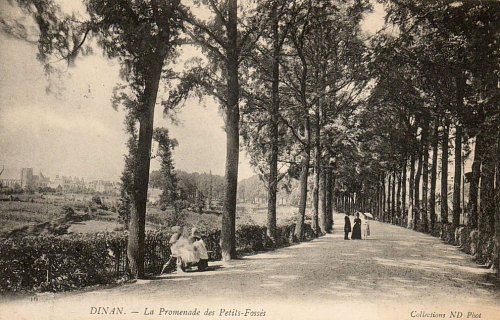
(60, 183)
(40, 181)
(28, 180)
(26, 177)
(79, 183)
(57, 183)
(10, 183)
(103, 186)
(68, 183)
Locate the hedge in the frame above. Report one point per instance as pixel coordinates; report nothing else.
(60, 263)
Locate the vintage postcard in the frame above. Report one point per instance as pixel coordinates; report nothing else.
(271, 159)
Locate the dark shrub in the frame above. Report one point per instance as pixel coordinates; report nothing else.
(59, 263)
(67, 211)
(250, 238)
(96, 200)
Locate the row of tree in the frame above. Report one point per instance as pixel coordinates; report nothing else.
(287, 107)
(308, 94)
(187, 185)
(434, 98)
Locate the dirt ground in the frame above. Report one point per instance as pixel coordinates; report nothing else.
(395, 274)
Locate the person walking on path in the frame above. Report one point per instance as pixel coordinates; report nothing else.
(366, 229)
(356, 230)
(347, 227)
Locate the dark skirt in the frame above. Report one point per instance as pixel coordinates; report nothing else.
(356, 231)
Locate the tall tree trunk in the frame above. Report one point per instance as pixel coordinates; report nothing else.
(317, 172)
(306, 154)
(398, 198)
(474, 183)
(432, 195)
(341, 202)
(496, 252)
(335, 199)
(345, 202)
(444, 173)
(322, 201)
(330, 183)
(425, 176)
(487, 206)
(457, 179)
(342, 198)
(349, 203)
(411, 191)
(382, 178)
(306, 158)
(418, 177)
(487, 194)
(274, 130)
(393, 200)
(137, 224)
(389, 197)
(379, 196)
(228, 230)
(403, 194)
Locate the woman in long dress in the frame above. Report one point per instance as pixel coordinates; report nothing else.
(171, 264)
(187, 254)
(356, 230)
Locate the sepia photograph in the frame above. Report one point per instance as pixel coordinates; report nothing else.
(249, 159)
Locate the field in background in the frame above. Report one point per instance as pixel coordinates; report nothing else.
(35, 209)
(29, 209)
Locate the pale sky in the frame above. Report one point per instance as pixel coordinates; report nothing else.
(78, 133)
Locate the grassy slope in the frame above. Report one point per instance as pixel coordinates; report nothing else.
(15, 214)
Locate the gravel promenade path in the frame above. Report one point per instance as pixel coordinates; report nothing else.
(395, 274)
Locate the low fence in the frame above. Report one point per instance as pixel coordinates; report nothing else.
(60, 263)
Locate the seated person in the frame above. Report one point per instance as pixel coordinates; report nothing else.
(174, 249)
(188, 253)
(200, 249)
